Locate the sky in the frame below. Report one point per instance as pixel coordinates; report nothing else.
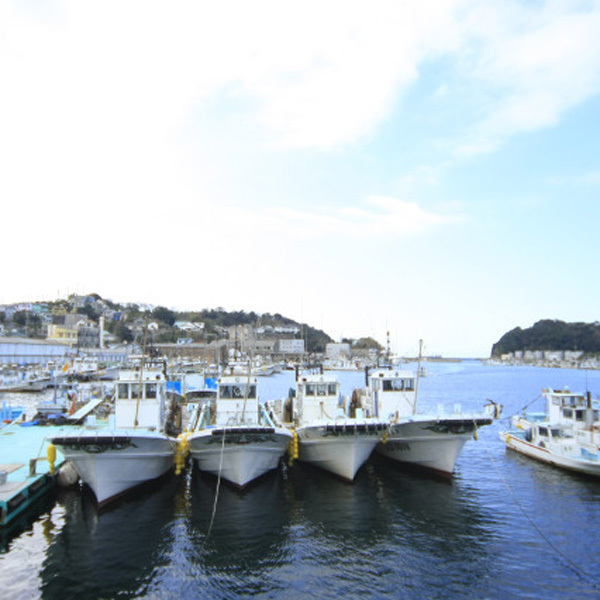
(427, 168)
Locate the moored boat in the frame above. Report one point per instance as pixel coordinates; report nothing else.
(555, 445)
(567, 435)
(329, 436)
(429, 441)
(136, 447)
(233, 436)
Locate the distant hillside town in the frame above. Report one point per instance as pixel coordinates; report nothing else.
(91, 325)
(551, 343)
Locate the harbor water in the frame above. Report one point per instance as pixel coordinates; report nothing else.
(504, 527)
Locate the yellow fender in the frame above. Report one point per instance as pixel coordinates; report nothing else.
(51, 456)
(293, 447)
(182, 450)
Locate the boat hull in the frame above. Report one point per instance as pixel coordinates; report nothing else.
(112, 464)
(340, 448)
(430, 443)
(552, 456)
(239, 454)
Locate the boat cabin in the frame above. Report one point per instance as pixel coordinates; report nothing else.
(140, 398)
(392, 393)
(237, 401)
(318, 398)
(569, 407)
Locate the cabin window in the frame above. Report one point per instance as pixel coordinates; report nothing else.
(332, 389)
(595, 415)
(135, 391)
(556, 433)
(227, 392)
(397, 385)
(321, 390)
(580, 415)
(567, 413)
(123, 390)
(544, 431)
(310, 389)
(389, 385)
(151, 390)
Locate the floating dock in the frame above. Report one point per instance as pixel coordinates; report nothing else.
(25, 471)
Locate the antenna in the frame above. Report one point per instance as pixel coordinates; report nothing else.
(418, 376)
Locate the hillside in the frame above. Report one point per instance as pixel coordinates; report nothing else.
(550, 335)
(125, 321)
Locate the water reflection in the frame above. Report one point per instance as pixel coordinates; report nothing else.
(248, 538)
(108, 554)
(372, 538)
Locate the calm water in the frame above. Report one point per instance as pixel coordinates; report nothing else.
(506, 527)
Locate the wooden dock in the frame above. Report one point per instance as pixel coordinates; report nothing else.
(25, 471)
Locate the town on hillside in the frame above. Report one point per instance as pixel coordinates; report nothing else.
(37, 332)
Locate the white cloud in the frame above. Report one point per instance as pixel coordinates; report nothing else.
(590, 178)
(380, 216)
(531, 64)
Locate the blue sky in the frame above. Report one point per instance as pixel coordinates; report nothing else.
(427, 168)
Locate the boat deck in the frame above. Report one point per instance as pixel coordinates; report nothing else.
(24, 472)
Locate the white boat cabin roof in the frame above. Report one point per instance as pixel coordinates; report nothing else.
(317, 378)
(152, 374)
(566, 397)
(390, 373)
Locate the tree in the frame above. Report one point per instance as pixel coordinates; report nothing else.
(123, 333)
(165, 315)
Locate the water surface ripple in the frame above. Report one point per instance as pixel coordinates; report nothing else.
(505, 527)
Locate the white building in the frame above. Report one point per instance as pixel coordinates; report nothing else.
(337, 351)
(289, 346)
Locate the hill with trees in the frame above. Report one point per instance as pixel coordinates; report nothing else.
(550, 335)
(126, 321)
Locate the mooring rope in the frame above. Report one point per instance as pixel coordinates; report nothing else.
(580, 572)
(214, 510)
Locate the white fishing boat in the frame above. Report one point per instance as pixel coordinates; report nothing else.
(567, 435)
(234, 437)
(429, 441)
(568, 409)
(555, 445)
(329, 435)
(136, 446)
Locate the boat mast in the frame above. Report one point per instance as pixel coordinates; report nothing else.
(418, 376)
(139, 392)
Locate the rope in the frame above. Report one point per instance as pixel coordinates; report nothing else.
(520, 410)
(214, 510)
(578, 570)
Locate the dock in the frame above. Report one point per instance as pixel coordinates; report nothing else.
(25, 472)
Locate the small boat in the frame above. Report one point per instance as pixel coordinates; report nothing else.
(9, 413)
(554, 444)
(234, 436)
(567, 435)
(137, 446)
(331, 434)
(569, 409)
(428, 441)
